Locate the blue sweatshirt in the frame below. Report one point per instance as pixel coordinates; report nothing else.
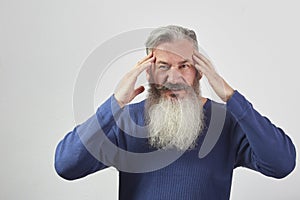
(244, 138)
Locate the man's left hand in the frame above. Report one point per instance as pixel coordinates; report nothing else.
(220, 86)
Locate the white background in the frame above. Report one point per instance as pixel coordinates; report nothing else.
(254, 45)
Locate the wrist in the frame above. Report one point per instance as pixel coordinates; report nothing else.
(229, 93)
(120, 103)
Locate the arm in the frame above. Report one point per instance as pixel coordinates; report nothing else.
(72, 159)
(81, 150)
(75, 155)
(263, 146)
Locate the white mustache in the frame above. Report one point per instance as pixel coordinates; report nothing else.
(173, 87)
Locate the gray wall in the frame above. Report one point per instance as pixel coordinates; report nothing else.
(254, 45)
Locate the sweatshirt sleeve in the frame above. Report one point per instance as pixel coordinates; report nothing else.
(79, 153)
(262, 146)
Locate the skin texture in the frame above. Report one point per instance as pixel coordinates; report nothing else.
(175, 62)
(220, 86)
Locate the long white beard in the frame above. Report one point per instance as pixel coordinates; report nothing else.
(175, 123)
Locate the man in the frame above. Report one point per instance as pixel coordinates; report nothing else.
(176, 119)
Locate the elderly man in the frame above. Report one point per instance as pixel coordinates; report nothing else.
(176, 119)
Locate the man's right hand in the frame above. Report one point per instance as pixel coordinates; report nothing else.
(125, 91)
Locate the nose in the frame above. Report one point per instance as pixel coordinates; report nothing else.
(174, 76)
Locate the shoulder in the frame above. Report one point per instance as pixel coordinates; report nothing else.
(218, 114)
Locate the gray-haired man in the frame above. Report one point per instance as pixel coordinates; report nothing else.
(176, 119)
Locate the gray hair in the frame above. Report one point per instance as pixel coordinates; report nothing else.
(169, 34)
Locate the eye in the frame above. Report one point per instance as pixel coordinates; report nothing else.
(184, 66)
(163, 67)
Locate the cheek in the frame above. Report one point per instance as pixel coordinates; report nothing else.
(157, 78)
(160, 77)
(190, 76)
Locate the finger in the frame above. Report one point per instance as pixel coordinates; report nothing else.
(136, 71)
(138, 91)
(198, 60)
(142, 66)
(145, 65)
(202, 57)
(204, 65)
(199, 64)
(145, 58)
(149, 60)
(200, 69)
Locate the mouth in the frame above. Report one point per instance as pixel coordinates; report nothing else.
(175, 94)
(173, 91)
(171, 87)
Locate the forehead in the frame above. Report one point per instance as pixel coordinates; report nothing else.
(174, 51)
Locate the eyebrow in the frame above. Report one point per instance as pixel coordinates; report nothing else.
(162, 62)
(184, 61)
(166, 63)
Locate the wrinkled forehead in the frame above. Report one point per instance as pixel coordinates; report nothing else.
(175, 51)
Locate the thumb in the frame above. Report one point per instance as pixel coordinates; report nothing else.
(138, 91)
